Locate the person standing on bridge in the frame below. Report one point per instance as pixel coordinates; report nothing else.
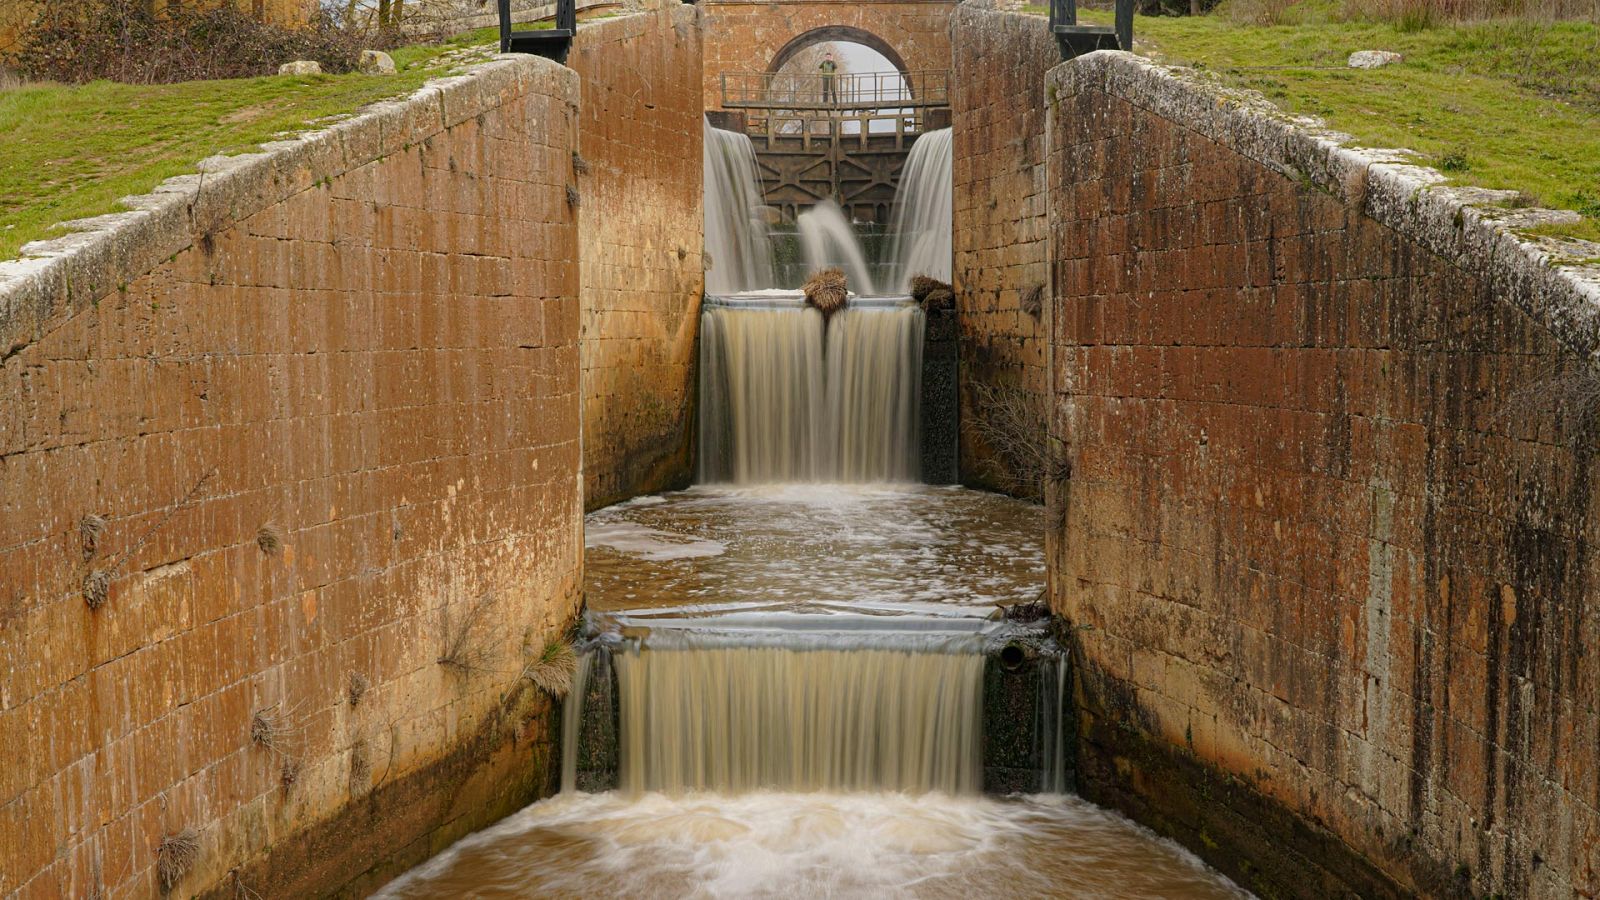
(827, 69)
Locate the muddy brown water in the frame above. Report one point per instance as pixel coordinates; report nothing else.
(864, 553)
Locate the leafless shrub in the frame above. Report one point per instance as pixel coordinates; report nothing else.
(240, 890)
(359, 684)
(90, 529)
(828, 291)
(466, 647)
(360, 767)
(1032, 301)
(1572, 399)
(175, 856)
(269, 537)
(140, 42)
(1011, 422)
(572, 197)
(579, 164)
(553, 670)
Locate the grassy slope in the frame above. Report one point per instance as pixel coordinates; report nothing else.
(1511, 105)
(68, 152)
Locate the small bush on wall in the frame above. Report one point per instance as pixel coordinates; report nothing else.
(133, 41)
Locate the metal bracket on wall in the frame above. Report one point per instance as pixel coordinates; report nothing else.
(550, 43)
(1076, 40)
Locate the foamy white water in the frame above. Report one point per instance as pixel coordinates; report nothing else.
(759, 845)
(828, 239)
(735, 232)
(923, 212)
(782, 399)
(858, 545)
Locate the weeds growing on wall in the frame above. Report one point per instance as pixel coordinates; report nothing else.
(553, 670)
(1011, 422)
(175, 856)
(139, 42)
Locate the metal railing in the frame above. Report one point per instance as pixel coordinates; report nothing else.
(845, 91)
(860, 129)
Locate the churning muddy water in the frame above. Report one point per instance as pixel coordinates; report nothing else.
(800, 673)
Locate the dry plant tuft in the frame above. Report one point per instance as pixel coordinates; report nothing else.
(359, 685)
(273, 728)
(827, 290)
(96, 588)
(552, 672)
(932, 293)
(269, 537)
(97, 583)
(90, 529)
(466, 647)
(572, 197)
(1033, 301)
(175, 856)
(1011, 421)
(579, 164)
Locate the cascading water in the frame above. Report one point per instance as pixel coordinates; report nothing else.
(799, 684)
(828, 240)
(776, 710)
(735, 228)
(923, 212)
(784, 399)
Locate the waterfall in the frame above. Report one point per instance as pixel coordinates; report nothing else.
(922, 212)
(735, 227)
(791, 712)
(827, 239)
(782, 399)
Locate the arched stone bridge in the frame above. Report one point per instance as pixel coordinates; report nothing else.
(760, 35)
(744, 37)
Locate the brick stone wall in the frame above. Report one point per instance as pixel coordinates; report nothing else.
(1000, 269)
(324, 405)
(640, 242)
(746, 35)
(1323, 551)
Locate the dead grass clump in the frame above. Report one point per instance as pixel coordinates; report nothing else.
(90, 529)
(175, 856)
(273, 728)
(573, 199)
(932, 294)
(1011, 422)
(359, 685)
(96, 588)
(827, 291)
(269, 537)
(579, 164)
(553, 671)
(466, 648)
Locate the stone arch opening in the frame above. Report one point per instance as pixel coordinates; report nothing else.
(836, 34)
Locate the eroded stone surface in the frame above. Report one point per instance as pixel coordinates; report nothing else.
(354, 339)
(1321, 548)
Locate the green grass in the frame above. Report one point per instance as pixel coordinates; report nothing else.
(1511, 105)
(68, 152)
